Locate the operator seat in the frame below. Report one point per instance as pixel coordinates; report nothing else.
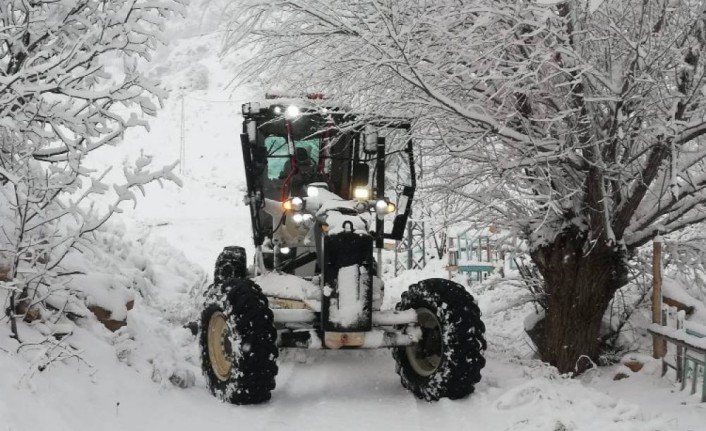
(306, 173)
(304, 163)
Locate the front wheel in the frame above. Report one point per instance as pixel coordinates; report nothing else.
(231, 263)
(447, 360)
(238, 343)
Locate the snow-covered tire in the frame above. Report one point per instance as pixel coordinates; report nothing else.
(447, 361)
(231, 263)
(238, 344)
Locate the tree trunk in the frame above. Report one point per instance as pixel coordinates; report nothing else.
(581, 276)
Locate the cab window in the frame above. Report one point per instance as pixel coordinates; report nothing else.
(278, 154)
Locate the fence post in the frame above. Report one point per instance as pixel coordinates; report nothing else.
(681, 314)
(659, 348)
(452, 261)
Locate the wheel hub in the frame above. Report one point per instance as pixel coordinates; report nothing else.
(219, 348)
(425, 356)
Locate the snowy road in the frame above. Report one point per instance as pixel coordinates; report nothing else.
(334, 391)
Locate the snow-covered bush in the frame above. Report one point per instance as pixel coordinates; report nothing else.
(69, 85)
(683, 273)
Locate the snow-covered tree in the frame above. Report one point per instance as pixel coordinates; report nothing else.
(69, 85)
(576, 123)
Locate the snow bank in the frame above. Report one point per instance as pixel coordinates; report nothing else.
(154, 347)
(568, 405)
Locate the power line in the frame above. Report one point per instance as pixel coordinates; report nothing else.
(208, 100)
(182, 146)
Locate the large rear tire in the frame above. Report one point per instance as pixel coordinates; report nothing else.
(447, 361)
(238, 344)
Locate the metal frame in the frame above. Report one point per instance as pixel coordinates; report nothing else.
(411, 245)
(690, 360)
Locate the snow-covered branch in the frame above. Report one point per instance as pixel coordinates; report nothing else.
(566, 114)
(69, 85)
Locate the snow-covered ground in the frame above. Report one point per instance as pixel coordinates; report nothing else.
(123, 380)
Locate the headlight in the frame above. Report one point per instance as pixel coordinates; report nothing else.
(361, 193)
(293, 204)
(292, 111)
(300, 219)
(284, 250)
(383, 207)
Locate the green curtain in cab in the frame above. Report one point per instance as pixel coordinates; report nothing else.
(277, 154)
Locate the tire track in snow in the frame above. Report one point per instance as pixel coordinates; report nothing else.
(345, 390)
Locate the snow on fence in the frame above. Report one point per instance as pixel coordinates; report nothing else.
(477, 255)
(689, 340)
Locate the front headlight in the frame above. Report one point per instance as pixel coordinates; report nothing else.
(292, 111)
(361, 193)
(293, 204)
(300, 219)
(383, 207)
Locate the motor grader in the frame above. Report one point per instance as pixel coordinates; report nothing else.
(316, 190)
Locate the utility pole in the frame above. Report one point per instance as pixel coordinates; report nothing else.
(182, 140)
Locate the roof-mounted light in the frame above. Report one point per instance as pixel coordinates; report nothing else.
(293, 111)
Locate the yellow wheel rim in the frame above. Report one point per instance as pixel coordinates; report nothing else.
(217, 333)
(425, 356)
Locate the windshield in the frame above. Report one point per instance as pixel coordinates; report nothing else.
(278, 163)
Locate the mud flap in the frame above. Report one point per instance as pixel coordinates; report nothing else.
(348, 282)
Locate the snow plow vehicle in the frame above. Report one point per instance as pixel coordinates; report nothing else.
(316, 188)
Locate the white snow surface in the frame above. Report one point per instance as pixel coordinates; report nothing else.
(161, 253)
